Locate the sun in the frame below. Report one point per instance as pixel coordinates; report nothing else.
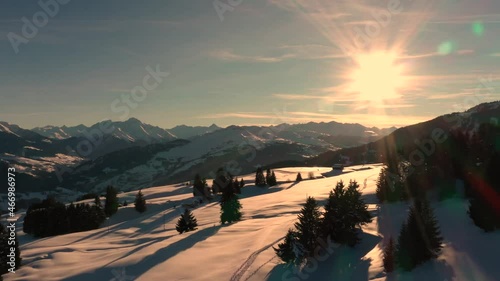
(377, 77)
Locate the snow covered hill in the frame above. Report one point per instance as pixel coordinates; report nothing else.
(133, 246)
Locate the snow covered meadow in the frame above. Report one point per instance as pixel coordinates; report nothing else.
(134, 246)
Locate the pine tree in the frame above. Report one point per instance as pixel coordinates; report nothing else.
(360, 214)
(420, 239)
(431, 233)
(97, 201)
(187, 222)
(389, 256)
(308, 227)
(140, 202)
(242, 183)
(344, 211)
(268, 176)
(236, 186)
(299, 177)
(482, 214)
(230, 206)
(198, 186)
(290, 249)
(272, 179)
(111, 204)
(260, 180)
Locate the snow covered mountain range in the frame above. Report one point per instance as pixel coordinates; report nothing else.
(131, 153)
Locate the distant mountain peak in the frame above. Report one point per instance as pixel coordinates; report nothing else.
(133, 120)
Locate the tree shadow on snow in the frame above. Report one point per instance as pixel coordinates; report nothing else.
(160, 256)
(344, 264)
(430, 271)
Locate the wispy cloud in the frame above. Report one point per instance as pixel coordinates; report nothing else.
(230, 55)
(467, 19)
(298, 96)
(285, 52)
(301, 117)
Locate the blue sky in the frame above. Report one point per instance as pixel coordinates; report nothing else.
(250, 62)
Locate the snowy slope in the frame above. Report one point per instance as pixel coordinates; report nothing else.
(133, 246)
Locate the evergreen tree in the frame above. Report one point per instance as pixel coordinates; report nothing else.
(198, 186)
(242, 183)
(236, 186)
(140, 202)
(344, 211)
(390, 186)
(359, 213)
(308, 227)
(405, 250)
(483, 214)
(420, 239)
(268, 176)
(290, 249)
(271, 181)
(187, 222)
(230, 206)
(97, 201)
(260, 180)
(111, 204)
(389, 256)
(299, 177)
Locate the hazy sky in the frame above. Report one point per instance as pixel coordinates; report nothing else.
(246, 61)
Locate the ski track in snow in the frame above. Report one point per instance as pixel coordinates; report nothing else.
(250, 260)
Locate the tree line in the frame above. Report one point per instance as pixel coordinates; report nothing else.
(344, 212)
(50, 217)
(477, 169)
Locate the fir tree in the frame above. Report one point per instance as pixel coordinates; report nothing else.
(97, 201)
(140, 202)
(268, 176)
(230, 206)
(299, 177)
(290, 249)
(198, 186)
(308, 227)
(389, 260)
(187, 222)
(390, 186)
(359, 213)
(272, 179)
(111, 204)
(482, 214)
(420, 239)
(344, 211)
(236, 186)
(260, 180)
